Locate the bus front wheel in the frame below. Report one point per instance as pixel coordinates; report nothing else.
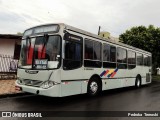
(94, 87)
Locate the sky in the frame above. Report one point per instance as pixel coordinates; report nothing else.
(114, 16)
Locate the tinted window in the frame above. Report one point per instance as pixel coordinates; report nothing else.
(147, 60)
(109, 56)
(92, 53)
(73, 52)
(113, 54)
(88, 49)
(139, 59)
(121, 55)
(131, 59)
(121, 58)
(97, 51)
(106, 52)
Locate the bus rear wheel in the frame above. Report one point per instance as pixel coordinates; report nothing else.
(94, 87)
(138, 82)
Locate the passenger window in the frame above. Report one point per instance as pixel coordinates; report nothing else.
(113, 54)
(73, 53)
(131, 59)
(139, 59)
(109, 56)
(97, 51)
(106, 52)
(147, 60)
(121, 58)
(92, 53)
(88, 49)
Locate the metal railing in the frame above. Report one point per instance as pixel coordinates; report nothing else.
(8, 64)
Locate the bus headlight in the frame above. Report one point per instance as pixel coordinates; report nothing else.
(47, 84)
(20, 81)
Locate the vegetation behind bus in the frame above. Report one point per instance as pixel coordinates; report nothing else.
(146, 38)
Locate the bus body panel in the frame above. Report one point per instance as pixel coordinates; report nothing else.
(42, 75)
(71, 88)
(54, 91)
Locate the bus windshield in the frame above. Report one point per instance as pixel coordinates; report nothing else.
(40, 52)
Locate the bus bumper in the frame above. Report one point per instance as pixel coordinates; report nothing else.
(51, 92)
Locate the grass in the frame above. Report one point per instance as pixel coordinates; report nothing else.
(156, 77)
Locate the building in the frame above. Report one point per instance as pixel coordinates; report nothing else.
(108, 36)
(9, 52)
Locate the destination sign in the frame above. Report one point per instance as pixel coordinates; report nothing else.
(72, 37)
(41, 63)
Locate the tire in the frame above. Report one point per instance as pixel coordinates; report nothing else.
(94, 87)
(138, 82)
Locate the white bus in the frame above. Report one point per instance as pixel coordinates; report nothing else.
(60, 60)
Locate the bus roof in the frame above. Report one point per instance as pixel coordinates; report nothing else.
(71, 28)
(103, 39)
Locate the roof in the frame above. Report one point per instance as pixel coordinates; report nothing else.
(104, 39)
(11, 36)
(68, 27)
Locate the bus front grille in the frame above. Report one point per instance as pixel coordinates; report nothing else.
(35, 83)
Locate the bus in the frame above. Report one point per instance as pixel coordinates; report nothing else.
(59, 60)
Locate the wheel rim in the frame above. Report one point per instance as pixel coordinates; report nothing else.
(93, 87)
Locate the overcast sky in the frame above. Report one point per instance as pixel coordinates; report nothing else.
(114, 16)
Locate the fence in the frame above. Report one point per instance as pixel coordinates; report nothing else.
(8, 64)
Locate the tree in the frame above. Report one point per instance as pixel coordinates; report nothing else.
(146, 38)
(19, 33)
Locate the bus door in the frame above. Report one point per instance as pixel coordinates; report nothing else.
(72, 63)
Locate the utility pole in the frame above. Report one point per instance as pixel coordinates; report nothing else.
(99, 30)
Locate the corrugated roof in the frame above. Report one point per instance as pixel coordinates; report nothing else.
(10, 36)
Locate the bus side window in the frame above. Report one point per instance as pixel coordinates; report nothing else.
(145, 60)
(139, 59)
(113, 54)
(92, 54)
(149, 61)
(73, 56)
(109, 56)
(131, 59)
(88, 49)
(121, 58)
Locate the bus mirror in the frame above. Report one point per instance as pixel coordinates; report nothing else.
(58, 56)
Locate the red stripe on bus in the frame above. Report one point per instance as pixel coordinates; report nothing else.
(113, 74)
(106, 72)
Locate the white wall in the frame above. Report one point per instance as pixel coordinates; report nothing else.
(7, 46)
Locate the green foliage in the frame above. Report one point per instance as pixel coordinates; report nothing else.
(19, 33)
(146, 38)
(156, 78)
